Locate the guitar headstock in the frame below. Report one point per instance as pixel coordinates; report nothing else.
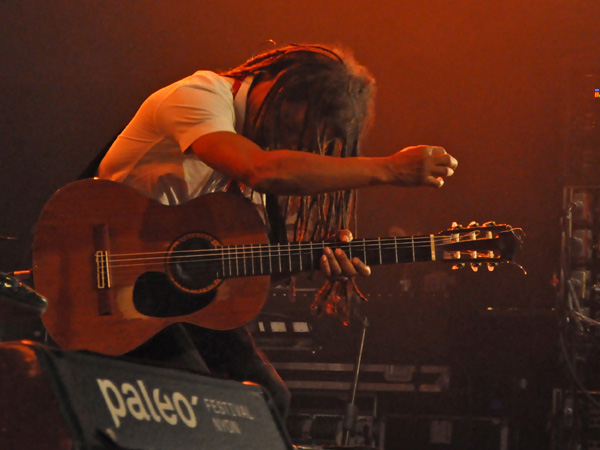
(476, 245)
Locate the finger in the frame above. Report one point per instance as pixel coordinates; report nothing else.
(453, 162)
(436, 182)
(332, 263)
(361, 267)
(324, 266)
(345, 235)
(436, 151)
(446, 160)
(442, 171)
(344, 263)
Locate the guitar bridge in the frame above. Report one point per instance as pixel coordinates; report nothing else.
(102, 270)
(103, 275)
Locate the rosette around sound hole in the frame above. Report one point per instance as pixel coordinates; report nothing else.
(193, 263)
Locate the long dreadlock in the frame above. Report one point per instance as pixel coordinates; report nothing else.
(337, 94)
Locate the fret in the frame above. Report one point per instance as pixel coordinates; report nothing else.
(290, 255)
(312, 257)
(222, 264)
(365, 252)
(412, 240)
(237, 262)
(270, 259)
(244, 259)
(300, 256)
(260, 258)
(396, 248)
(229, 260)
(279, 257)
(379, 244)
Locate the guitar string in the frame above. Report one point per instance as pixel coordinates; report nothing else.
(226, 257)
(244, 250)
(438, 240)
(284, 249)
(237, 270)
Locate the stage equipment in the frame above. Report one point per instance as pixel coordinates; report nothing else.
(448, 432)
(578, 282)
(579, 279)
(55, 399)
(576, 420)
(575, 406)
(338, 396)
(581, 157)
(18, 301)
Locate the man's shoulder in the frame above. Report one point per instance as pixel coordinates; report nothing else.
(199, 88)
(205, 79)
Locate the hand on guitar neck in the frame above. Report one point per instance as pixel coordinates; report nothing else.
(335, 263)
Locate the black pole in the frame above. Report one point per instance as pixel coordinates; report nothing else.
(351, 409)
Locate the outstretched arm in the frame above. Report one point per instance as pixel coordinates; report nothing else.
(291, 172)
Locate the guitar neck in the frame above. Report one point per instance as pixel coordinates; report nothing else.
(268, 259)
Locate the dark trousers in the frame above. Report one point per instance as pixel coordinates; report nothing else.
(231, 354)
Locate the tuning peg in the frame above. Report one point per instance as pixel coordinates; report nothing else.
(456, 226)
(475, 266)
(491, 223)
(491, 266)
(458, 266)
(455, 237)
(473, 224)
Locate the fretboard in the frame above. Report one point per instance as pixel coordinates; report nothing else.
(266, 259)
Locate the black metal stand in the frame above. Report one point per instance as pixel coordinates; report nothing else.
(351, 409)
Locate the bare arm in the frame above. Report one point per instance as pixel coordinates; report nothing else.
(290, 172)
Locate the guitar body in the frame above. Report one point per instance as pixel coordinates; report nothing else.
(96, 311)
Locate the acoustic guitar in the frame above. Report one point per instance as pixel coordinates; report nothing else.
(117, 267)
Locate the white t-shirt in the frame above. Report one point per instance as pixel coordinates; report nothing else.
(153, 153)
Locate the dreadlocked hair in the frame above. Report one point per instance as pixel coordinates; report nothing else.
(337, 95)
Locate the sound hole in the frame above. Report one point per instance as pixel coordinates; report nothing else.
(192, 266)
(154, 295)
(188, 284)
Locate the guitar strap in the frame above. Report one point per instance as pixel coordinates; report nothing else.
(277, 232)
(275, 220)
